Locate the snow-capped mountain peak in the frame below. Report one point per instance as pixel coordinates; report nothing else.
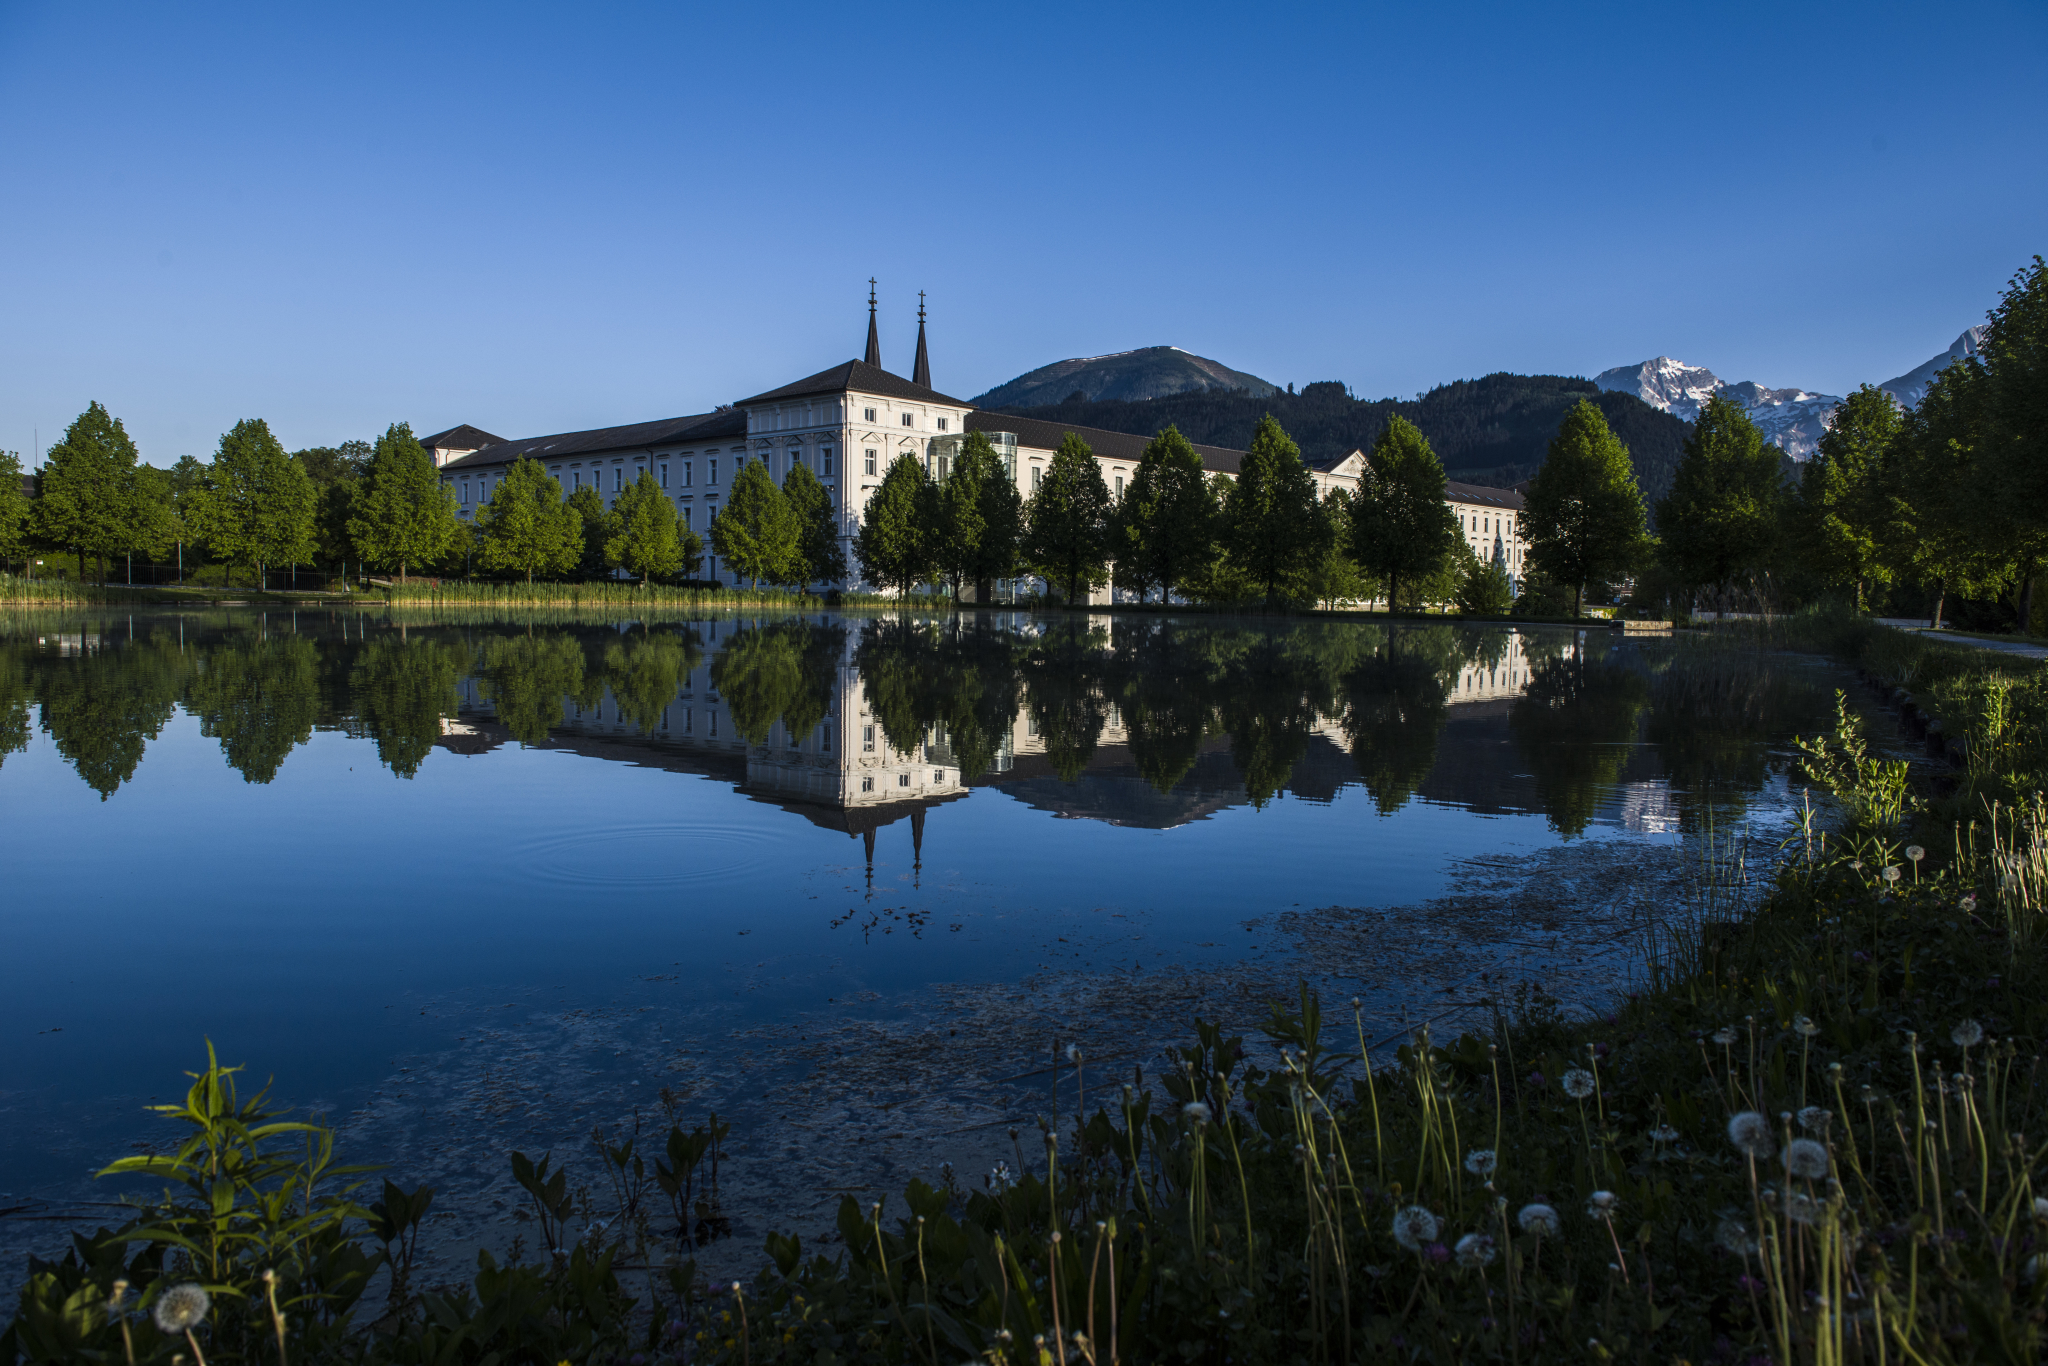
(1791, 419)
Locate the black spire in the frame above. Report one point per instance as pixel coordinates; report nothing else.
(874, 338)
(922, 372)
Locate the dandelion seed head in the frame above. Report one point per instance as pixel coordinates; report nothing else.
(1751, 1132)
(1413, 1227)
(1857, 864)
(1725, 1035)
(1915, 852)
(1815, 1120)
(1806, 1159)
(1735, 1237)
(1893, 873)
(1804, 1026)
(1968, 1034)
(1073, 1053)
(1541, 1220)
(1968, 903)
(1802, 1209)
(2041, 1208)
(180, 1309)
(1475, 1250)
(1578, 1083)
(1602, 1204)
(1481, 1162)
(1664, 1133)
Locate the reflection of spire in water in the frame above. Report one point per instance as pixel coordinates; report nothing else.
(868, 838)
(916, 844)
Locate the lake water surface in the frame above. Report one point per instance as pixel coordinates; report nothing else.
(469, 882)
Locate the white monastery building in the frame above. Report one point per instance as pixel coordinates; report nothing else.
(849, 424)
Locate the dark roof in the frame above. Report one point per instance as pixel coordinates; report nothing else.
(1481, 494)
(28, 486)
(859, 375)
(1041, 435)
(463, 438)
(724, 424)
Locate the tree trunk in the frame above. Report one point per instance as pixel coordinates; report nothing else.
(2027, 603)
(1940, 591)
(1578, 601)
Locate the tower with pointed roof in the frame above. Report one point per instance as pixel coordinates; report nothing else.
(922, 372)
(874, 356)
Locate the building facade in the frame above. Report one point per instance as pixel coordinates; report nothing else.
(848, 425)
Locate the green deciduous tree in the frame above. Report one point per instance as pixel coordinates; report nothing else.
(1484, 588)
(13, 507)
(528, 527)
(1837, 516)
(1584, 515)
(757, 532)
(259, 504)
(1270, 526)
(1170, 516)
(2014, 479)
(588, 504)
(817, 526)
(642, 535)
(1002, 514)
(1720, 519)
(892, 544)
(1930, 523)
(403, 514)
(88, 502)
(1066, 521)
(1401, 528)
(958, 525)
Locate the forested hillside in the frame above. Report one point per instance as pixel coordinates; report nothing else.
(1487, 431)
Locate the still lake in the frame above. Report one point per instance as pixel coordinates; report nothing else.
(468, 882)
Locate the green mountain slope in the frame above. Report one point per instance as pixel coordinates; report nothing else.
(1149, 372)
(1492, 430)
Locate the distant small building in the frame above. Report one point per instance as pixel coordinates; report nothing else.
(457, 442)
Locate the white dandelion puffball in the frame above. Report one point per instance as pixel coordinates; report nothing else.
(1602, 1204)
(1893, 873)
(1481, 1162)
(1968, 903)
(1915, 852)
(180, 1309)
(1578, 1083)
(1968, 1034)
(1815, 1120)
(2041, 1208)
(1802, 1209)
(1804, 1027)
(1806, 1159)
(1541, 1220)
(1751, 1132)
(1733, 1236)
(1413, 1227)
(1725, 1035)
(1195, 1112)
(1475, 1250)
(1664, 1133)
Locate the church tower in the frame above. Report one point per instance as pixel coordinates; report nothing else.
(922, 373)
(874, 356)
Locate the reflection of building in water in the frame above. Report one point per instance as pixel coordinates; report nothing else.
(1647, 808)
(843, 773)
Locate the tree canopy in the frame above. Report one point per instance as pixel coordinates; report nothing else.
(1270, 527)
(1170, 516)
(1066, 522)
(527, 527)
(258, 504)
(757, 532)
(1401, 528)
(89, 501)
(892, 544)
(1584, 516)
(1837, 514)
(819, 548)
(1720, 520)
(642, 535)
(403, 514)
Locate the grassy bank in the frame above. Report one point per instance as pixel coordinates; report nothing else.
(606, 593)
(1811, 1133)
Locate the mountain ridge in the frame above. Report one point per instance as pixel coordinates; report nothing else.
(1145, 373)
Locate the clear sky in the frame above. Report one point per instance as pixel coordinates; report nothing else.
(543, 218)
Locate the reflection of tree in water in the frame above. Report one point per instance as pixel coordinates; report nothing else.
(958, 676)
(1397, 701)
(788, 671)
(1063, 676)
(1574, 726)
(1712, 722)
(1165, 689)
(645, 670)
(525, 679)
(259, 697)
(16, 693)
(1270, 700)
(402, 685)
(102, 709)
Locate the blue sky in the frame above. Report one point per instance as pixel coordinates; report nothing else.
(539, 219)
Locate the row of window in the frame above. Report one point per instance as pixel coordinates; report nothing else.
(909, 419)
(867, 781)
(686, 472)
